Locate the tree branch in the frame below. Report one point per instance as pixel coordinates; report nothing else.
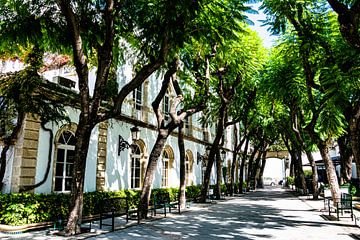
(165, 84)
(140, 77)
(104, 58)
(80, 60)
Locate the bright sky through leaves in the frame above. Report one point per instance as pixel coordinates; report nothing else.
(268, 39)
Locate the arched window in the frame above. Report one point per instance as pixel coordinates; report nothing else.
(138, 97)
(64, 162)
(165, 169)
(187, 170)
(135, 167)
(166, 106)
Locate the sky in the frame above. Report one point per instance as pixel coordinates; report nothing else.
(268, 39)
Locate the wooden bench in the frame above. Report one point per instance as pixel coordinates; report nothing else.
(115, 207)
(344, 205)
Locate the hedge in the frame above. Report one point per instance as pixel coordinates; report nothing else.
(24, 208)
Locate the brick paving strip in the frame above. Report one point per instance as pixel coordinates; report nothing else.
(271, 213)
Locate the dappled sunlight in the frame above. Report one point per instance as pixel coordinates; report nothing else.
(249, 217)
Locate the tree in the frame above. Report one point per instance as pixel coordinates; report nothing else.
(348, 18)
(21, 95)
(96, 31)
(315, 53)
(235, 66)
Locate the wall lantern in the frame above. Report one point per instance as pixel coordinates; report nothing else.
(135, 133)
(123, 144)
(208, 149)
(223, 155)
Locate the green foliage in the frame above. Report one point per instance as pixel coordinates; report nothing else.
(193, 191)
(25, 208)
(308, 173)
(290, 180)
(20, 93)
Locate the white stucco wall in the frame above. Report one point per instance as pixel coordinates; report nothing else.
(42, 157)
(9, 165)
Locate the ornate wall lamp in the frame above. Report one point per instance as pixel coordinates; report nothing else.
(223, 155)
(123, 144)
(203, 158)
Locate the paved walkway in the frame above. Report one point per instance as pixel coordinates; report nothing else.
(265, 214)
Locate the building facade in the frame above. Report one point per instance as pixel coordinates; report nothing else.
(111, 163)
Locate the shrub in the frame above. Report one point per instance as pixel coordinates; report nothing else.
(290, 180)
(193, 191)
(24, 208)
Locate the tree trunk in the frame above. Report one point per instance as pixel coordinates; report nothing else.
(261, 174)
(242, 166)
(250, 166)
(218, 175)
(230, 186)
(213, 151)
(3, 164)
(150, 172)
(7, 143)
(301, 174)
(314, 175)
(346, 158)
(330, 170)
(355, 136)
(83, 134)
(182, 166)
(292, 167)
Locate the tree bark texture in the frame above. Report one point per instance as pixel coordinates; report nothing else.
(301, 173)
(346, 158)
(355, 136)
(251, 165)
(183, 173)
(230, 186)
(261, 174)
(330, 170)
(150, 172)
(218, 175)
(83, 134)
(349, 21)
(242, 166)
(212, 154)
(315, 176)
(7, 142)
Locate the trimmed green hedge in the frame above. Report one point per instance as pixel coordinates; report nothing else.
(24, 208)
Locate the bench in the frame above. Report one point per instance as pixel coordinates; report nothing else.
(172, 204)
(158, 201)
(326, 194)
(161, 200)
(344, 205)
(115, 207)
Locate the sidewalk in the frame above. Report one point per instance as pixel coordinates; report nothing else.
(271, 213)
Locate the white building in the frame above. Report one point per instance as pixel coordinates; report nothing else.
(107, 167)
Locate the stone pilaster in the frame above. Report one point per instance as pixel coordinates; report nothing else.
(25, 158)
(101, 157)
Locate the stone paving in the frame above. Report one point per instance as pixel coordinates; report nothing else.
(271, 213)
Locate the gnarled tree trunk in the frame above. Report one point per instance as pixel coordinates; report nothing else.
(218, 175)
(182, 166)
(83, 134)
(330, 170)
(314, 175)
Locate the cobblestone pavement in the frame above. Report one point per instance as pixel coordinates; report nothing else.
(271, 213)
